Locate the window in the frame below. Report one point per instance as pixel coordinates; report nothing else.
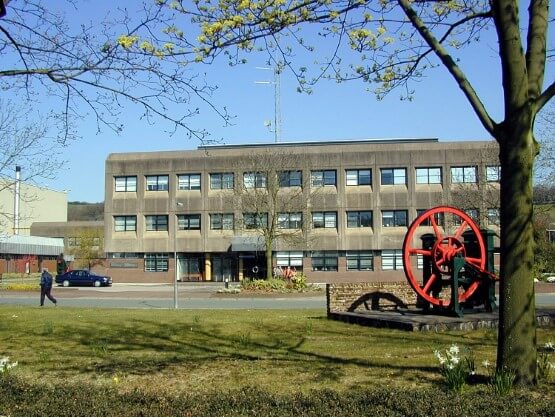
(439, 217)
(493, 216)
(290, 178)
(394, 176)
(156, 223)
(126, 184)
(472, 213)
(123, 255)
(125, 223)
(493, 173)
(156, 262)
(359, 219)
(290, 220)
(359, 177)
(360, 261)
(157, 183)
(254, 179)
(222, 181)
(188, 222)
(322, 178)
(551, 236)
(219, 221)
(394, 218)
(463, 175)
(289, 259)
(324, 261)
(392, 259)
(255, 220)
(188, 182)
(428, 175)
(324, 219)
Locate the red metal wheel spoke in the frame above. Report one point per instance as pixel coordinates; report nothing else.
(429, 283)
(436, 228)
(474, 261)
(460, 230)
(424, 252)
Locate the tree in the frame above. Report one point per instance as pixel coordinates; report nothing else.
(81, 68)
(88, 251)
(544, 261)
(397, 42)
(24, 142)
(273, 198)
(545, 163)
(481, 199)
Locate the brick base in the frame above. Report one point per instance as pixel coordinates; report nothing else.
(362, 296)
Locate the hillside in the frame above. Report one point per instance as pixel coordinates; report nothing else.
(77, 210)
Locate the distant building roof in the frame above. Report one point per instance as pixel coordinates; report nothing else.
(31, 245)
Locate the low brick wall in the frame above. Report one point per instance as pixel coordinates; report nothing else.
(364, 296)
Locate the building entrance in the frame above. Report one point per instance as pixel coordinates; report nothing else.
(224, 268)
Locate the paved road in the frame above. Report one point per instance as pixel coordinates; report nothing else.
(191, 296)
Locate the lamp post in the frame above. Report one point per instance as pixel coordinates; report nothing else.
(175, 304)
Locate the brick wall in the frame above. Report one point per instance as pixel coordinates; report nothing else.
(362, 296)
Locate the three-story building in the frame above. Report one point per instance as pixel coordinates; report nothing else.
(337, 211)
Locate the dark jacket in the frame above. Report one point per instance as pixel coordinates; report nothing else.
(46, 280)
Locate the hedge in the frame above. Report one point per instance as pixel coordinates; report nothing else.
(21, 398)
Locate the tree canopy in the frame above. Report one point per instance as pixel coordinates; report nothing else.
(390, 44)
(97, 67)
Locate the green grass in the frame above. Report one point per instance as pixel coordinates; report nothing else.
(202, 351)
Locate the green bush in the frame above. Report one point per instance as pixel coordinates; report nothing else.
(20, 398)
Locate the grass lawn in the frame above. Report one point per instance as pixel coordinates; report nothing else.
(202, 351)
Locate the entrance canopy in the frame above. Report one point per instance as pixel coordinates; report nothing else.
(247, 244)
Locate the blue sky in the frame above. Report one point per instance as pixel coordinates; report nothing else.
(333, 112)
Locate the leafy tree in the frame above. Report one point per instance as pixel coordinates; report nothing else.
(397, 42)
(88, 251)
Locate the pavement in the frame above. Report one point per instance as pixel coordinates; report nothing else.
(201, 295)
(190, 296)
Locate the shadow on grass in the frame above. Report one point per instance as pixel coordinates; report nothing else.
(147, 347)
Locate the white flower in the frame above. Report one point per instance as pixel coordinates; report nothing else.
(454, 350)
(486, 364)
(6, 365)
(441, 359)
(549, 346)
(455, 360)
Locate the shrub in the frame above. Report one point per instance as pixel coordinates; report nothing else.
(20, 398)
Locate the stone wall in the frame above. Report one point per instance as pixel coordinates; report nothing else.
(363, 296)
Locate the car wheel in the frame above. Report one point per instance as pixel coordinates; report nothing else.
(65, 283)
(97, 283)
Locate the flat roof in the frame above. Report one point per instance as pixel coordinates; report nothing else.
(31, 245)
(322, 143)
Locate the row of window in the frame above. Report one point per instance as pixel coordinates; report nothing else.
(320, 220)
(321, 260)
(318, 178)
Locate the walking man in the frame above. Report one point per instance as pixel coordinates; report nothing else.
(46, 287)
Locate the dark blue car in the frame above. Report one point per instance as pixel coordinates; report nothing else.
(83, 277)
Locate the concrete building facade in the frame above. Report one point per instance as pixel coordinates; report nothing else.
(36, 204)
(354, 201)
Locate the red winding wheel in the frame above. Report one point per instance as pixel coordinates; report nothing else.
(439, 221)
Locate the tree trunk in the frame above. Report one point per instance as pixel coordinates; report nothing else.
(269, 269)
(516, 348)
